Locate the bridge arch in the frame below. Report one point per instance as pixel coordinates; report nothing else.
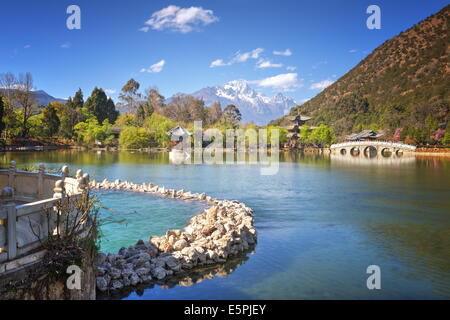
(386, 152)
(370, 152)
(343, 151)
(355, 151)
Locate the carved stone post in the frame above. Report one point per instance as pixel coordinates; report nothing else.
(12, 174)
(59, 190)
(65, 172)
(41, 180)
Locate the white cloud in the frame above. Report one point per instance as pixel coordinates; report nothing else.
(291, 68)
(144, 29)
(353, 51)
(286, 53)
(28, 46)
(66, 45)
(181, 20)
(284, 82)
(321, 85)
(155, 68)
(242, 57)
(318, 64)
(262, 64)
(238, 57)
(110, 91)
(218, 63)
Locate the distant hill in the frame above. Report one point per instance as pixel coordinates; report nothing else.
(254, 106)
(405, 81)
(43, 97)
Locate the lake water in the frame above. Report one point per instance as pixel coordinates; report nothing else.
(321, 222)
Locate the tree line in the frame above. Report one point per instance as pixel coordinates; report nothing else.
(96, 120)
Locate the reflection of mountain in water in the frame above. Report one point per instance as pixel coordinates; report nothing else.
(185, 279)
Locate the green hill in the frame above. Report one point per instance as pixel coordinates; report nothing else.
(405, 82)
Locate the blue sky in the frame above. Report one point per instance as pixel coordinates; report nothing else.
(316, 41)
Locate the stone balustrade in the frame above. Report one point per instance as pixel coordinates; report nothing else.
(28, 210)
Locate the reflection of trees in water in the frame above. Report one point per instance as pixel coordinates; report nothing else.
(423, 247)
(308, 157)
(85, 158)
(185, 279)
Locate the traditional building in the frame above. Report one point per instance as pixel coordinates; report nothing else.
(365, 135)
(178, 135)
(294, 128)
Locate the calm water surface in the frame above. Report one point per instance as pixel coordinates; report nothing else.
(321, 221)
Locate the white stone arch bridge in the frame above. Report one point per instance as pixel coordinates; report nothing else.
(371, 149)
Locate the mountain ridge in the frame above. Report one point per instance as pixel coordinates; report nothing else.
(402, 82)
(254, 106)
(41, 96)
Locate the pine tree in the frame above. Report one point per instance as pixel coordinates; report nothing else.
(112, 113)
(50, 120)
(97, 105)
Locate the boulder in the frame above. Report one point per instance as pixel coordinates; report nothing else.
(180, 244)
(116, 285)
(142, 271)
(159, 273)
(102, 283)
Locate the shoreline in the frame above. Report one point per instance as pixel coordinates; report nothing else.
(221, 231)
(115, 149)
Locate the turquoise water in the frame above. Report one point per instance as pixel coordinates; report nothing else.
(321, 221)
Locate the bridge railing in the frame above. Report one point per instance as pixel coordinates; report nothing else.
(374, 143)
(28, 208)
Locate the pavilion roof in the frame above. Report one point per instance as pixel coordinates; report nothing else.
(365, 134)
(179, 131)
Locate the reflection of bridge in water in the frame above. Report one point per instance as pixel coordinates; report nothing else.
(376, 161)
(371, 149)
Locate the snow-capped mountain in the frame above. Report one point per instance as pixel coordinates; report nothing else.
(254, 106)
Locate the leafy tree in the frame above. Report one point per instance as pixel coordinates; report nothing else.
(134, 138)
(91, 131)
(446, 139)
(304, 135)
(323, 135)
(130, 96)
(282, 134)
(232, 114)
(158, 126)
(50, 120)
(125, 120)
